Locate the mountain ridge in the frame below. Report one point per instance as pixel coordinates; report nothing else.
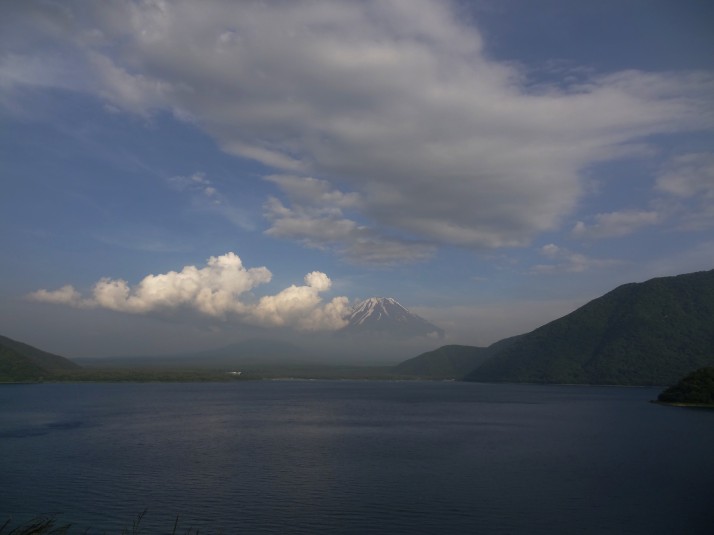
(23, 362)
(452, 361)
(385, 316)
(648, 333)
(250, 351)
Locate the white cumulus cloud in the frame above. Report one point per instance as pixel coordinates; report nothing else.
(299, 306)
(66, 295)
(220, 289)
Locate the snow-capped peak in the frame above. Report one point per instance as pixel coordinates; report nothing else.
(375, 307)
(386, 316)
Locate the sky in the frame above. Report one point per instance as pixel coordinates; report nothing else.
(180, 175)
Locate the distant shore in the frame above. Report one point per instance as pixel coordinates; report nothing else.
(685, 405)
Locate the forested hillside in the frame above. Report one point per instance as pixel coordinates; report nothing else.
(638, 334)
(22, 362)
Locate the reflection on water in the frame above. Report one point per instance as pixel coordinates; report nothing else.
(356, 457)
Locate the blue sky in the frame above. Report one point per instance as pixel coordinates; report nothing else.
(183, 175)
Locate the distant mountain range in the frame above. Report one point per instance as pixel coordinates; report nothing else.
(384, 316)
(252, 352)
(373, 320)
(449, 362)
(649, 333)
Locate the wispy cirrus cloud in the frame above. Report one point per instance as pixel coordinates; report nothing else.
(197, 182)
(616, 224)
(682, 197)
(316, 217)
(563, 260)
(206, 197)
(688, 179)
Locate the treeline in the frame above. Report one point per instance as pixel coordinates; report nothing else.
(697, 388)
(650, 333)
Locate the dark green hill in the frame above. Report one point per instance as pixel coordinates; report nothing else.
(446, 362)
(450, 361)
(697, 388)
(22, 362)
(17, 368)
(649, 333)
(43, 359)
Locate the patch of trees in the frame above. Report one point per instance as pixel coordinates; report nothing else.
(697, 388)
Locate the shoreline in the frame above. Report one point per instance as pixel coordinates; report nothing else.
(683, 404)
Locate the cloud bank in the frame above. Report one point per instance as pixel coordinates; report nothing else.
(391, 103)
(221, 290)
(316, 217)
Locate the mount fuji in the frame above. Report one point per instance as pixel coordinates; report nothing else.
(385, 317)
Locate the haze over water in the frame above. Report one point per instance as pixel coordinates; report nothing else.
(356, 457)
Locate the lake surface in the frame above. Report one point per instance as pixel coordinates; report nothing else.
(356, 457)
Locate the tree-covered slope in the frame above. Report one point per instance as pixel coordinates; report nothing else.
(22, 362)
(450, 361)
(697, 388)
(446, 362)
(43, 359)
(638, 334)
(15, 367)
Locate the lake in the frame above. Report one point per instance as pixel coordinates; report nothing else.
(320, 457)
